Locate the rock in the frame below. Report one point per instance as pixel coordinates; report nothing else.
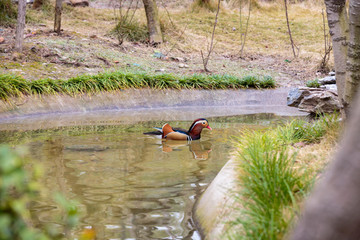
(295, 96)
(327, 80)
(314, 100)
(78, 3)
(320, 102)
(160, 70)
(182, 65)
(160, 55)
(331, 87)
(332, 73)
(177, 59)
(2, 40)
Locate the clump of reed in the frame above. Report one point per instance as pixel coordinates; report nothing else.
(15, 86)
(272, 181)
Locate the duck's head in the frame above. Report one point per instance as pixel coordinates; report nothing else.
(197, 126)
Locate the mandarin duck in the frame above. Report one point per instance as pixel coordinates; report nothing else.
(194, 132)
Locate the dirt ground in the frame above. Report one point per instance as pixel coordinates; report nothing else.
(88, 50)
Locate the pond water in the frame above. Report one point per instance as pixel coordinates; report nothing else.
(129, 185)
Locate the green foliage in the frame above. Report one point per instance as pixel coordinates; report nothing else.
(12, 86)
(313, 83)
(15, 86)
(132, 31)
(271, 182)
(17, 189)
(309, 132)
(8, 13)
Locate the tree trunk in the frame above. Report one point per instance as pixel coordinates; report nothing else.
(153, 21)
(339, 31)
(57, 22)
(19, 37)
(353, 59)
(332, 212)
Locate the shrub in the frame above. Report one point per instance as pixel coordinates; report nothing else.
(204, 4)
(132, 31)
(313, 83)
(8, 13)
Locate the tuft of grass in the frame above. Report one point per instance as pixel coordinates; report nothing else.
(45, 86)
(12, 86)
(15, 86)
(272, 180)
(210, 5)
(313, 83)
(309, 132)
(132, 31)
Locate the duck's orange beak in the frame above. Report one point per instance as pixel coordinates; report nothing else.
(209, 127)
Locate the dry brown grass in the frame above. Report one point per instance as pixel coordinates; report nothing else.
(315, 157)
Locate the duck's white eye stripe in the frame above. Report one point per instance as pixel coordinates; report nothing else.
(199, 122)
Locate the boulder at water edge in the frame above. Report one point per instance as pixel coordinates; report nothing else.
(314, 100)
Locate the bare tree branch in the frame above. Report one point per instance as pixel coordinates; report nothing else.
(293, 46)
(243, 36)
(211, 47)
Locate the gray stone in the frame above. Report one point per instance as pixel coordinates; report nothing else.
(182, 65)
(295, 96)
(327, 80)
(331, 87)
(320, 102)
(78, 3)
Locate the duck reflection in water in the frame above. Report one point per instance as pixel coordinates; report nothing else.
(199, 150)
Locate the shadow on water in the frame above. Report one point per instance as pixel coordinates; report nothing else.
(130, 185)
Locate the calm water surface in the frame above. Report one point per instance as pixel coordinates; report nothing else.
(129, 185)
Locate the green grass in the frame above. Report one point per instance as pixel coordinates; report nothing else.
(313, 83)
(272, 182)
(308, 132)
(16, 86)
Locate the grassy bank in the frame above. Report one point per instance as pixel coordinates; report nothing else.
(87, 41)
(16, 86)
(276, 176)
